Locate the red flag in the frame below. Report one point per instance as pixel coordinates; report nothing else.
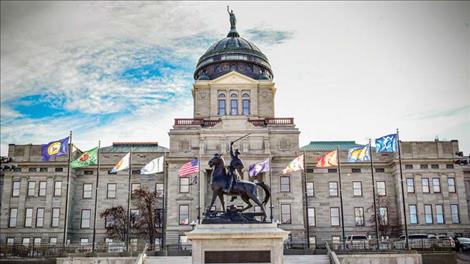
(328, 160)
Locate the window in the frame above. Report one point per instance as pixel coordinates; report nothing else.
(31, 188)
(410, 183)
(87, 187)
(28, 218)
(183, 239)
(10, 241)
(333, 186)
(40, 217)
(42, 169)
(85, 221)
(408, 166)
(136, 172)
(158, 217)
(383, 216)
(184, 185)
(55, 217)
(42, 188)
(423, 166)
(32, 170)
(13, 217)
(356, 170)
(311, 216)
(359, 216)
(313, 242)
(109, 221)
(439, 214)
(17, 170)
(111, 192)
(59, 169)
(334, 216)
(332, 170)
(88, 172)
(454, 210)
(434, 166)
(285, 214)
(37, 241)
(159, 189)
(25, 242)
(135, 213)
(134, 187)
(413, 214)
(357, 188)
(310, 189)
(246, 106)
(221, 104)
(184, 214)
(57, 188)
(52, 241)
(425, 185)
(451, 184)
(233, 104)
(436, 185)
(428, 213)
(83, 241)
(449, 166)
(309, 170)
(16, 189)
(285, 184)
(336, 240)
(379, 170)
(381, 189)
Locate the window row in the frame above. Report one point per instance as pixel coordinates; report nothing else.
(28, 217)
(433, 184)
(36, 188)
(26, 241)
(429, 214)
(42, 169)
(221, 103)
(426, 166)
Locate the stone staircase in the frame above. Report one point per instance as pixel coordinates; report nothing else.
(288, 259)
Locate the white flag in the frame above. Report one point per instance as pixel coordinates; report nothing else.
(155, 166)
(123, 164)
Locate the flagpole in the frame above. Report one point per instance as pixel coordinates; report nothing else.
(199, 189)
(307, 224)
(96, 195)
(373, 194)
(340, 194)
(67, 191)
(402, 192)
(270, 188)
(129, 200)
(165, 187)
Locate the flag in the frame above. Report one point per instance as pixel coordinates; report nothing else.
(259, 167)
(330, 159)
(55, 148)
(359, 154)
(123, 164)
(88, 158)
(155, 166)
(189, 168)
(388, 143)
(295, 165)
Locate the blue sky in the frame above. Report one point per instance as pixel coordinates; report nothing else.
(122, 71)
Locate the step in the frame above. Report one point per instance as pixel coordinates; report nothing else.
(290, 259)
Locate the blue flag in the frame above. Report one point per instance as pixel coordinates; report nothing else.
(359, 154)
(388, 143)
(259, 167)
(55, 148)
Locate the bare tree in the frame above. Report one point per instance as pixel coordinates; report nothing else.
(115, 222)
(387, 224)
(149, 219)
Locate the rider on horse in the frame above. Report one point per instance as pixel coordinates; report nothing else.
(236, 165)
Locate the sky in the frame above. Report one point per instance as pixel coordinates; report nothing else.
(122, 71)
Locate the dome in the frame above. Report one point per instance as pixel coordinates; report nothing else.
(233, 53)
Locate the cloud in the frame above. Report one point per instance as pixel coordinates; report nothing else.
(269, 36)
(450, 112)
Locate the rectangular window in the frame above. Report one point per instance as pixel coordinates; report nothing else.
(410, 183)
(28, 218)
(423, 166)
(37, 241)
(246, 106)
(357, 188)
(87, 189)
(221, 107)
(285, 214)
(413, 214)
(381, 189)
(59, 169)
(285, 184)
(408, 166)
(310, 189)
(428, 213)
(333, 188)
(134, 187)
(439, 214)
(234, 107)
(13, 217)
(356, 170)
(85, 221)
(55, 217)
(52, 241)
(83, 241)
(434, 166)
(26, 241)
(16, 189)
(135, 213)
(336, 240)
(10, 241)
(425, 185)
(436, 185)
(42, 188)
(311, 216)
(32, 170)
(57, 188)
(313, 242)
(449, 166)
(111, 192)
(42, 169)
(454, 210)
(334, 216)
(359, 216)
(332, 170)
(451, 184)
(136, 172)
(184, 185)
(88, 172)
(31, 188)
(379, 170)
(159, 189)
(383, 216)
(184, 214)
(40, 217)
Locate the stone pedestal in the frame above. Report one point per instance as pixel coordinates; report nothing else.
(237, 243)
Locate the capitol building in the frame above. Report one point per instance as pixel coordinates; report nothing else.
(233, 96)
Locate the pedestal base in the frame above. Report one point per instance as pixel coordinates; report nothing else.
(237, 243)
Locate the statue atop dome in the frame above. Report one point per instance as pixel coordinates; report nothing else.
(233, 19)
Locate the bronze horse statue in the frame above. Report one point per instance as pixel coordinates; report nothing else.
(245, 189)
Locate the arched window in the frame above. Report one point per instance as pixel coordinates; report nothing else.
(246, 104)
(234, 104)
(233, 67)
(221, 104)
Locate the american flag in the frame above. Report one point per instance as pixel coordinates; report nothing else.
(189, 168)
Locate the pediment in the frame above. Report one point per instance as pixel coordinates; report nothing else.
(234, 77)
